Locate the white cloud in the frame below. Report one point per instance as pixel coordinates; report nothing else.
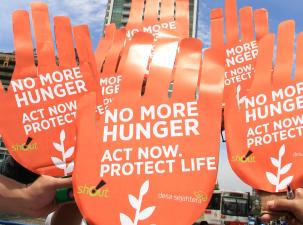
(91, 12)
(204, 24)
(7, 7)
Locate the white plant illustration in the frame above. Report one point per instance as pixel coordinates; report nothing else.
(136, 204)
(61, 163)
(276, 179)
(240, 100)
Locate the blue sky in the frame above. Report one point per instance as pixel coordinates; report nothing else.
(279, 10)
(92, 12)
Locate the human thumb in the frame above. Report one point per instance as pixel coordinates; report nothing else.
(282, 205)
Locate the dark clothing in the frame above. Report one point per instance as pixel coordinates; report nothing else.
(11, 169)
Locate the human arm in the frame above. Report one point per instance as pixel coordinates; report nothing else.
(294, 206)
(36, 199)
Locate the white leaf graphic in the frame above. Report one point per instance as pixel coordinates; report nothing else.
(61, 163)
(144, 188)
(238, 88)
(58, 147)
(276, 179)
(70, 167)
(272, 178)
(134, 201)
(62, 135)
(58, 162)
(286, 168)
(69, 152)
(285, 182)
(282, 151)
(275, 162)
(125, 220)
(146, 213)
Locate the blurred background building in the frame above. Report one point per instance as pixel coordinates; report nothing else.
(7, 65)
(118, 12)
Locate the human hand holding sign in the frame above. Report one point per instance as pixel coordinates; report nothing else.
(38, 109)
(264, 124)
(35, 200)
(152, 157)
(293, 206)
(241, 51)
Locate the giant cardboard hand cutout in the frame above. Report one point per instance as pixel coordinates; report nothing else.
(150, 16)
(108, 62)
(264, 124)
(147, 16)
(241, 50)
(38, 110)
(152, 157)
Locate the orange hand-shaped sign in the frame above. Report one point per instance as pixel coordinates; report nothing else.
(264, 124)
(152, 157)
(108, 60)
(143, 17)
(151, 16)
(38, 110)
(173, 18)
(241, 53)
(148, 16)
